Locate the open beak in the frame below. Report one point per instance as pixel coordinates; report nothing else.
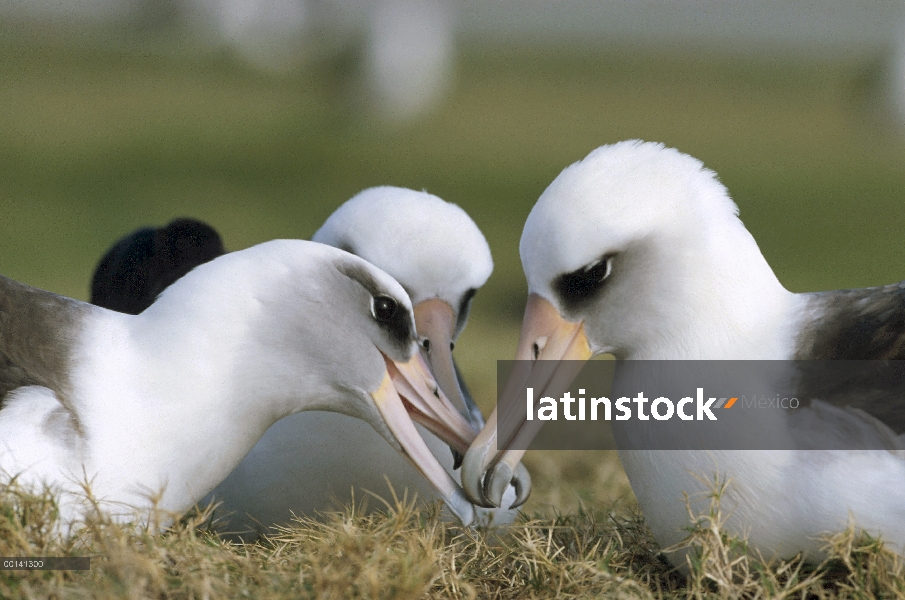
(435, 322)
(408, 393)
(545, 336)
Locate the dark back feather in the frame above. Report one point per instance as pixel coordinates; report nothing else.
(854, 326)
(141, 265)
(862, 324)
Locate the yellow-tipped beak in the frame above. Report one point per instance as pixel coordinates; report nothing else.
(545, 336)
(408, 393)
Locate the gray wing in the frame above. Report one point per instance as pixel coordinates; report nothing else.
(850, 327)
(862, 324)
(13, 376)
(37, 330)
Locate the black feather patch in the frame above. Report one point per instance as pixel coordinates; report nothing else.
(141, 265)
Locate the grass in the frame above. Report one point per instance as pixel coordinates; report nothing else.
(98, 137)
(410, 552)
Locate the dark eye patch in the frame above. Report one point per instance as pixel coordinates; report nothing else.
(392, 317)
(464, 307)
(466, 301)
(583, 284)
(388, 312)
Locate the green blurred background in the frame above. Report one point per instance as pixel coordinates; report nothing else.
(98, 138)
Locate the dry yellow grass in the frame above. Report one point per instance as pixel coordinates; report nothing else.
(411, 552)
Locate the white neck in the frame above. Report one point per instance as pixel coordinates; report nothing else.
(721, 300)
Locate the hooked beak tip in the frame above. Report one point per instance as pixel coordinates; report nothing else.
(458, 457)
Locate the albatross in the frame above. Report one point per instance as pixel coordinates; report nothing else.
(638, 251)
(153, 411)
(441, 258)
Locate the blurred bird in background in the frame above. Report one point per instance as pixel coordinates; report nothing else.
(144, 263)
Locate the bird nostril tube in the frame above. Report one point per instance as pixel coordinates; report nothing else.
(452, 346)
(426, 344)
(539, 345)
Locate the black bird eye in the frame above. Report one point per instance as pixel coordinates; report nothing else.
(582, 284)
(384, 308)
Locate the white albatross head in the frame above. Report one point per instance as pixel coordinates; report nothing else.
(434, 250)
(441, 258)
(637, 251)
